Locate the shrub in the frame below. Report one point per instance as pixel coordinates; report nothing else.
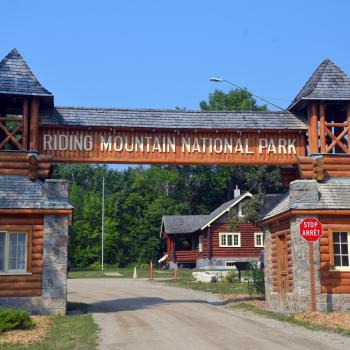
(95, 266)
(231, 277)
(15, 319)
(256, 282)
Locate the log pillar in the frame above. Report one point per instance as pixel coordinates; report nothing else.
(25, 110)
(34, 124)
(323, 145)
(312, 127)
(348, 121)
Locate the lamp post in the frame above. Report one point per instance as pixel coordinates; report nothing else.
(220, 80)
(103, 219)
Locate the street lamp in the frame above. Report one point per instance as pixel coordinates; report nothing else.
(220, 80)
(103, 221)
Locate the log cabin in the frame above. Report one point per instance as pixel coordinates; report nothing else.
(211, 241)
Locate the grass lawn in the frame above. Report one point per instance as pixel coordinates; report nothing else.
(126, 272)
(289, 318)
(65, 333)
(185, 280)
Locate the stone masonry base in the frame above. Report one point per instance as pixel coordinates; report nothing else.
(37, 305)
(292, 303)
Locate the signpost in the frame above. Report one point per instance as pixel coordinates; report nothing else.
(311, 230)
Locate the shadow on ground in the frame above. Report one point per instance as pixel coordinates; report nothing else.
(131, 304)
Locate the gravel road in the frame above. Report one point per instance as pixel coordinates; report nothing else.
(143, 315)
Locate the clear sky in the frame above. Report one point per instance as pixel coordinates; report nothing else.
(160, 54)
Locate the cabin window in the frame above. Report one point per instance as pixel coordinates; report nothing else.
(230, 263)
(258, 239)
(341, 247)
(13, 252)
(229, 239)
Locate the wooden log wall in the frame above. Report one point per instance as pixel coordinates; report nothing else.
(186, 256)
(247, 249)
(25, 285)
(277, 229)
(332, 282)
(324, 167)
(25, 164)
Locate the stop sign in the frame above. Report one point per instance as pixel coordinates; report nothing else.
(310, 229)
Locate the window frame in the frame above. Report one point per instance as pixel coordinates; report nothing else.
(256, 234)
(230, 262)
(331, 246)
(27, 230)
(226, 234)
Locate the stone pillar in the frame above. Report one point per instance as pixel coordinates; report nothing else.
(271, 296)
(54, 278)
(300, 300)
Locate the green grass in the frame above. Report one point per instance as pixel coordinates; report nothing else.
(126, 272)
(289, 318)
(185, 280)
(66, 333)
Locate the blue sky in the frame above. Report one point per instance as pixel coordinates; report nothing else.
(160, 54)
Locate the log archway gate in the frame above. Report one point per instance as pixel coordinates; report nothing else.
(309, 140)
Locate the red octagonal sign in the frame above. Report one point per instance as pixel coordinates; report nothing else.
(310, 229)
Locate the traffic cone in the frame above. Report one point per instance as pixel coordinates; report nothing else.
(135, 273)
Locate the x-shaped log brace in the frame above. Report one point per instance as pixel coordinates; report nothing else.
(10, 136)
(337, 140)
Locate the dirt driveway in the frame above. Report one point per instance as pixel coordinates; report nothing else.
(141, 315)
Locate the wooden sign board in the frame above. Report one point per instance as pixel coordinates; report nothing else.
(92, 145)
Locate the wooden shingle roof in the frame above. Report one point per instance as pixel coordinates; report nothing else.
(332, 194)
(171, 119)
(16, 78)
(18, 192)
(328, 82)
(175, 224)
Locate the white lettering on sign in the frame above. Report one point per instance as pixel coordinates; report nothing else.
(67, 142)
(163, 143)
(313, 232)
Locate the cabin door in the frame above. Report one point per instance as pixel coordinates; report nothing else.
(282, 265)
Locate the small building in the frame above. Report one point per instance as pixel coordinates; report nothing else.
(34, 217)
(210, 241)
(290, 283)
